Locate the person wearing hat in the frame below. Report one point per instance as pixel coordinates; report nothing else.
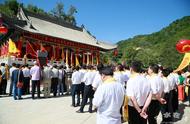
(108, 98)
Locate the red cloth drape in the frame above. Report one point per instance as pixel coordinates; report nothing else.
(30, 50)
(19, 47)
(57, 53)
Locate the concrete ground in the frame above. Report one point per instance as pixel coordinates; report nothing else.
(56, 111)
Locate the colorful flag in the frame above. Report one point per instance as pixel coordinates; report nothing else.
(184, 63)
(76, 61)
(67, 61)
(12, 47)
(30, 50)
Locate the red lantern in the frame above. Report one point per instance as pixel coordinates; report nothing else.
(183, 46)
(3, 30)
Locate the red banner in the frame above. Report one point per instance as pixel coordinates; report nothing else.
(30, 50)
(59, 41)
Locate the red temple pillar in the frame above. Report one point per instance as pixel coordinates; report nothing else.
(92, 58)
(83, 58)
(98, 57)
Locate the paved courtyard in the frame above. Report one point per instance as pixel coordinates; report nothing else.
(55, 111)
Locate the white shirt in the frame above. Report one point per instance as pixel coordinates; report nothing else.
(26, 72)
(35, 72)
(61, 74)
(89, 77)
(173, 80)
(11, 70)
(97, 80)
(108, 99)
(47, 73)
(55, 73)
(126, 74)
(118, 75)
(138, 87)
(157, 85)
(76, 77)
(83, 72)
(167, 83)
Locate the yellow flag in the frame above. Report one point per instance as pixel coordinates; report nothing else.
(67, 61)
(184, 63)
(12, 47)
(76, 61)
(125, 109)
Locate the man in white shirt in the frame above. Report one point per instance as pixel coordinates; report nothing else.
(26, 73)
(35, 73)
(75, 88)
(108, 99)
(173, 77)
(118, 75)
(88, 91)
(60, 81)
(97, 79)
(47, 74)
(83, 71)
(139, 94)
(167, 108)
(10, 71)
(54, 79)
(157, 88)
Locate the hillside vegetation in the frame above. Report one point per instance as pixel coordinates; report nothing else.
(158, 47)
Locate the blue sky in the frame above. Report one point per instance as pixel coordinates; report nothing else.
(115, 20)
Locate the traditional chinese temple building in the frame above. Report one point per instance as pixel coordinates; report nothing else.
(21, 37)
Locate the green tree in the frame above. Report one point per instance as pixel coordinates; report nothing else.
(59, 12)
(9, 7)
(34, 9)
(70, 15)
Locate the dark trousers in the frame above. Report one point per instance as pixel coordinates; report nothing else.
(54, 85)
(82, 89)
(35, 83)
(26, 86)
(167, 108)
(134, 116)
(11, 87)
(75, 89)
(188, 94)
(3, 86)
(88, 93)
(175, 102)
(153, 111)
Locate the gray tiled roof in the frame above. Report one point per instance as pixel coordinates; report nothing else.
(57, 29)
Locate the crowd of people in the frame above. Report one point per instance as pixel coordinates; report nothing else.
(148, 91)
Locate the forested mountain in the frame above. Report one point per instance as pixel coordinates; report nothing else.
(158, 47)
(10, 8)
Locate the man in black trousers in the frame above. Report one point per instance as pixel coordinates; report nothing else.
(88, 91)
